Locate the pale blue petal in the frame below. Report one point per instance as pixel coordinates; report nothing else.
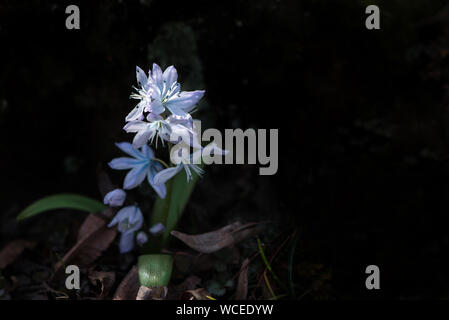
(147, 152)
(166, 174)
(136, 219)
(174, 109)
(157, 228)
(156, 107)
(115, 198)
(141, 238)
(136, 112)
(160, 189)
(135, 177)
(126, 242)
(135, 126)
(124, 213)
(186, 100)
(157, 76)
(141, 138)
(170, 76)
(124, 163)
(129, 149)
(141, 77)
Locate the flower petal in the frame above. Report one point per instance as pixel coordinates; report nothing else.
(157, 76)
(170, 76)
(136, 112)
(186, 100)
(129, 149)
(135, 177)
(141, 137)
(156, 107)
(123, 214)
(135, 126)
(160, 189)
(115, 198)
(141, 238)
(123, 163)
(166, 174)
(174, 109)
(147, 152)
(157, 228)
(141, 77)
(126, 242)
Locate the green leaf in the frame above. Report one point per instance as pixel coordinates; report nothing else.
(61, 201)
(155, 269)
(169, 210)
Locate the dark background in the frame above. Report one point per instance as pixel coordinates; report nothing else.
(362, 116)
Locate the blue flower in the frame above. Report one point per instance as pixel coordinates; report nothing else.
(157, 229)
(129, 220)
(160, 90)
(142, 165)
(115, 198)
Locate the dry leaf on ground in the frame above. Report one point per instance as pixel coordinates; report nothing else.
(242, 284)
(13, 250)
(213, 241)
(129, 287)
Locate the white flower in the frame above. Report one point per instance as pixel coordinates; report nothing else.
(189, 162)
(160, 90)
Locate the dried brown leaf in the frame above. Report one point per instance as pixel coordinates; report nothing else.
(94, 237)
(106, 279)
(129, 287)
(242, 284)
(13, 250)
(213, 241)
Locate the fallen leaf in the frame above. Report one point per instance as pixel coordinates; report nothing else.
(106, 279)
(213, 241)
(94, 237)
(242, 285)
(129, 287)
(13, 250)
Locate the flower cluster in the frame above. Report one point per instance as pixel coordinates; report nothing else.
(129, 220)
(163, 112)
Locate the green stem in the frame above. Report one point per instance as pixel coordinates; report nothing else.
(162, 162)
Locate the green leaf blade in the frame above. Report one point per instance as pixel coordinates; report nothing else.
(61, 201)
(168, 211)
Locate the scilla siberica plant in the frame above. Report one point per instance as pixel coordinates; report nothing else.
(162, 117)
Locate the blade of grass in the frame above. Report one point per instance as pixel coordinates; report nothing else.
(274, 297)
(268, 266)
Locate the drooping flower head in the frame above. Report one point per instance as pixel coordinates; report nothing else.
(128, 220)
(115, 198)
